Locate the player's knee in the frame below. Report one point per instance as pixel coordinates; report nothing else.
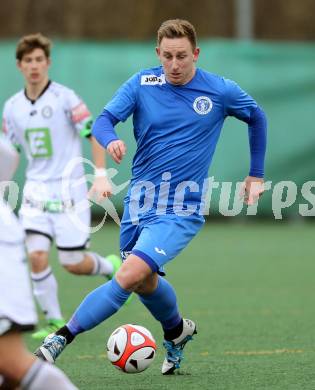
(130, 279)
(3, 364)
(37, 246)
(72, 261)
(11, 346)
(38, 260)
(7, 371)
(36, 242)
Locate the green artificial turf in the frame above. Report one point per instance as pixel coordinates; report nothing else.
(250, 287)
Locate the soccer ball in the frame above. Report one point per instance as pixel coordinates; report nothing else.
(131, 348)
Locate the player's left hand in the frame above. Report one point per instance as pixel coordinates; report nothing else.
(101, 188)
(252, 188)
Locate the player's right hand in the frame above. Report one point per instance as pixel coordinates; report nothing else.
(252, 188)
(117, 149)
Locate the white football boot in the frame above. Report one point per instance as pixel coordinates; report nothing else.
(51, 348)
(174, 348)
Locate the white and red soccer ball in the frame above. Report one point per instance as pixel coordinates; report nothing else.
(131, 348)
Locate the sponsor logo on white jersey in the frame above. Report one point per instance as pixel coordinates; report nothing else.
(79, 113)
(152, 79)
(160, 251)
(202, 105)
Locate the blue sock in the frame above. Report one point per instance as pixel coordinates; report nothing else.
(162, 304)
(100, 304)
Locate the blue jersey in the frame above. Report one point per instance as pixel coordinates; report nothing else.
(177, 127)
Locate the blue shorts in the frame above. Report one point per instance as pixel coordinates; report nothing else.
(159, 238)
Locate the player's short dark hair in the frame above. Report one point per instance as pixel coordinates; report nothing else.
(177, 28)
(30, 42)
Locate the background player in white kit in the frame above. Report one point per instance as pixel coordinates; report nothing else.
(18, 367)
(47, 120)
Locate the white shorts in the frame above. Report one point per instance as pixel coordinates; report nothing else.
(17, 309)
(70, 227)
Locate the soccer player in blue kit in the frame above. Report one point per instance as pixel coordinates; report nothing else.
(178, 112)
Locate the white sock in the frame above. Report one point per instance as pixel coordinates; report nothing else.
(101, 265)
(43, 375)
(45, 290)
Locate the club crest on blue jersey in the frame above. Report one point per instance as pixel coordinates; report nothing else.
(202, 105)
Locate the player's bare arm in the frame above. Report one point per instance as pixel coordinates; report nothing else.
(102, 186)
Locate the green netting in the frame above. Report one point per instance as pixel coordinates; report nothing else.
(281, 77)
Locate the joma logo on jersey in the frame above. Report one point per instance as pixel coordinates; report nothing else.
(152, 79)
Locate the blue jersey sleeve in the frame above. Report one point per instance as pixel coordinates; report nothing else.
(237, 102)
(242, 106)
(103, 128)
(124, 102)
(257, 134)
